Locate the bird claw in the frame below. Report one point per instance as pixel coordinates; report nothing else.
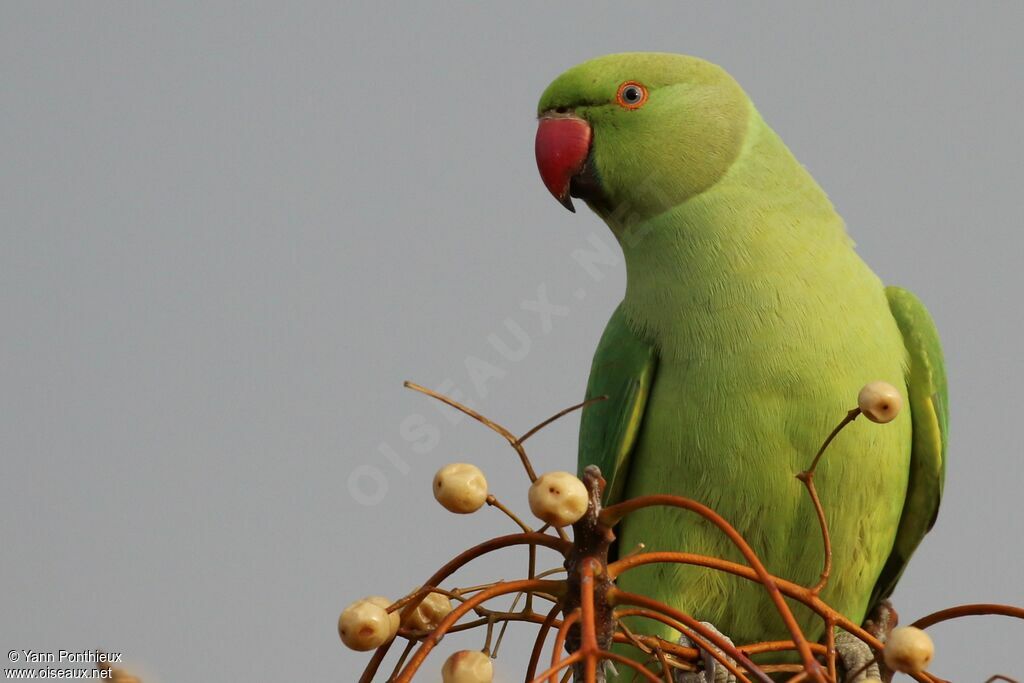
(856, 657)
(713, 672)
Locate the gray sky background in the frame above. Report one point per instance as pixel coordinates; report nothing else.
(230, 230)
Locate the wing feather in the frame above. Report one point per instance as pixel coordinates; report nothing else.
(929, 410)
(623, 370)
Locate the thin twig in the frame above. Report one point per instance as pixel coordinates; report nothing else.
(501, 633)
(807, 477)
(826, 571)
(490, 424)
(559, 414)
(401, 660)
(850, 417)
(513, 441)
(494, 502)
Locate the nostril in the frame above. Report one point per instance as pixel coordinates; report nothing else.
(562, 110)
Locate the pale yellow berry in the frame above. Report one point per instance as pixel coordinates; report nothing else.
(879, 401)
(558, 498)
(366, 624)
(468, 666)
(429, 613)
(460, 487)
(908, 650)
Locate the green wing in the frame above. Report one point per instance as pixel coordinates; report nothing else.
(623, 370)
(929, 411)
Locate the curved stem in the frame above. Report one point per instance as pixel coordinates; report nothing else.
(559, 414)
(563, 633)
(974, 610)
(850, 417)
(791, 590)
(588, 633)
(494, 502)
(666, 668)
(513, 441)
(691, 653)
(498, 589)
(401, 659)
(613, 514)
(808, 479)
(410, 603)
(538, 644)
(830, 647)
(375, 661)
(689, 633)
(575, 657)
(709, 641)
(490, 424)
(605, 654)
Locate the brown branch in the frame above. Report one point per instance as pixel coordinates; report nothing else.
(538, 644)
(706, 639)
(605, 654)
(494, 502)
(513, 441)
(788, 588)
(850, 417)
(666, 668)
(486, 615)
(588, 632)
(572, 659)
(613, 514)
(401, 660)
(560, 638)
(830, 647)
(807, 477)
(435, 637)
(490, 424)
(450, 568)
(560, 414)
(974, 610)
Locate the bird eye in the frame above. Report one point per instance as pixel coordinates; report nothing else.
(631, 95)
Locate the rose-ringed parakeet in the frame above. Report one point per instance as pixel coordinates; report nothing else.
(748, 325)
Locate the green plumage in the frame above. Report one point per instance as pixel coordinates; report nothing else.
(748, 326)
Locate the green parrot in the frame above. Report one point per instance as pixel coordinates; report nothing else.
(748, 326)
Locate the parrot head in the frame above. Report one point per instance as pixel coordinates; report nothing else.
(636, 133)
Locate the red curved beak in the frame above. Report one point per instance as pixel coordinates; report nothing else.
(562, 145)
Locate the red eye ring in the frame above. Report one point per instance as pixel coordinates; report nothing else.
(631, 95)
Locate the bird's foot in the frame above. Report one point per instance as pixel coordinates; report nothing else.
(713, 671)
(882, 620)
(857, 658)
